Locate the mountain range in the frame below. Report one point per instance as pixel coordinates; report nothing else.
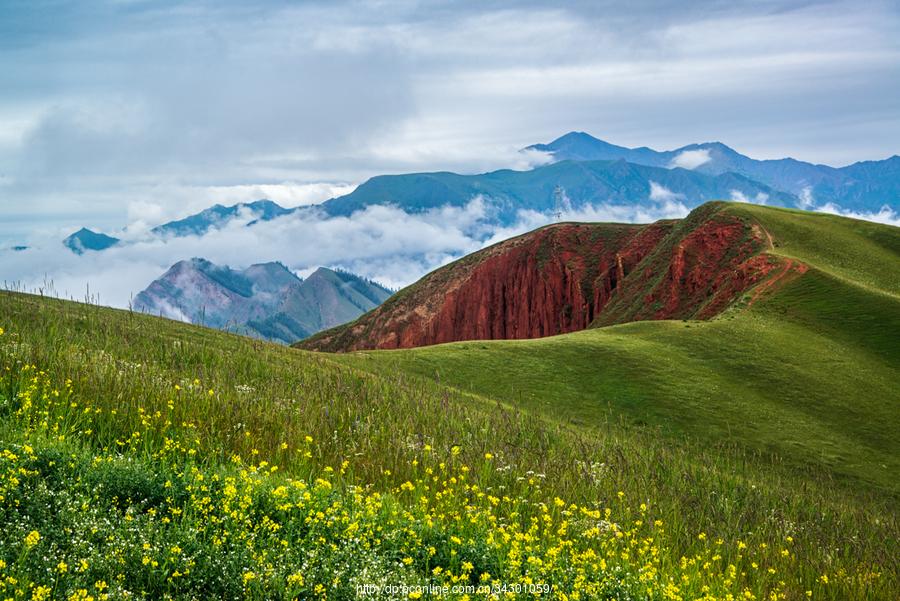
(218, 215)
(590, 171)
(197, 224)
(580, 183)
(584, 171)
(865, 185)
(266, 300)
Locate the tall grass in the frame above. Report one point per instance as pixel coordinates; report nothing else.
(252, 399)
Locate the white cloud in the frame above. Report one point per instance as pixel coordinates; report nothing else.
(691, 159)
(528, 220)
(806, 198)
(111, 104)
(659, 192)
(287, 194)
(760, 198)
(383, 243)
(884, 215)
(143, 214)
(169, 310)
(738, 196)
(370, 242)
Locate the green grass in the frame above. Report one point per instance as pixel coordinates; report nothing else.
(770, 422)
(791, 387)
(377, 423)
(857, 251)
(810, 373)
(151, 517)
(770, 386)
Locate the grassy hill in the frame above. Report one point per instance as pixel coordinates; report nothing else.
(566, 277)
(137, 454)
(810, 371)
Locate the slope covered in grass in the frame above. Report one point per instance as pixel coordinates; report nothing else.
(861, 252)
(178, 414)
(807, 368)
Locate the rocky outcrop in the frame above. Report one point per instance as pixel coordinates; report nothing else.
(567, 277)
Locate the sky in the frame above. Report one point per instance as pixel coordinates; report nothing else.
(117, 112)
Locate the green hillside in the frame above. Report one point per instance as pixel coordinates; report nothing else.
(736, 458)
(156, 425)
(810, 372)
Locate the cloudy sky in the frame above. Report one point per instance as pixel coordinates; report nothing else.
(118, 111)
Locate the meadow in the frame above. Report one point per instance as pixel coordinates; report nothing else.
(810, 392)
(144, 458)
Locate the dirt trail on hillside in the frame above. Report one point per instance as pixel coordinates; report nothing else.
(790, 268)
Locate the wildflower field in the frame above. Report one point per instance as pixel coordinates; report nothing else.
(142, 458)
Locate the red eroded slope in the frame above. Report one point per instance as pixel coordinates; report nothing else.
(707, 263)
(566, 277)
(554, 282)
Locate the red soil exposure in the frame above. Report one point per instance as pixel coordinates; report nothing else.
(789, 269)
(565, 277)
(551, 281)
(627, 259)
(555, 283)
(708, 268)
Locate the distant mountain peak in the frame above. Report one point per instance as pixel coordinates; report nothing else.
(271, 266)
(218, 215)
(265, 300)
(866, 185)
(198, 263)
(88, 240)
(579, 146)
(261, 203)
(321, 272)
(576, 135)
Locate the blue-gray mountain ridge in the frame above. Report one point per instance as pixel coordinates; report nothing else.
(266, 300)
(587, 171)
(862, 186)
(194, 225)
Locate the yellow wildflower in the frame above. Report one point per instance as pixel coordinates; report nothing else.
(32, 538)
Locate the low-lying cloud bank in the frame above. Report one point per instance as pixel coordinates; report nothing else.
(885, 215)
(193, 199)
(383, 243)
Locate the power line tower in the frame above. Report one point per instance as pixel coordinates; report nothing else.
(559, 196)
